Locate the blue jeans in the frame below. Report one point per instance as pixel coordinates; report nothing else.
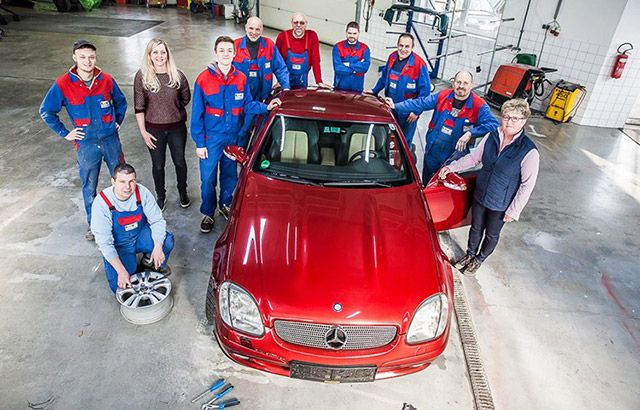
(90, 156)
(127, 254)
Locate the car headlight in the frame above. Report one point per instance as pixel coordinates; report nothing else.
(429, 320)
(238, 309)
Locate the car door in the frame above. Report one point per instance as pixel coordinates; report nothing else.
(450, 206)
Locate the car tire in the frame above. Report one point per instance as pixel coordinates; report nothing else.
(208, 307)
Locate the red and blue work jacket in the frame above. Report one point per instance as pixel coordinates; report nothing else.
(350, 63)
(260, 71)
(412, 82)
(96, 109)
(448, 124)
(220, 104)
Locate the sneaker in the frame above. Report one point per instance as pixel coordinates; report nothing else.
(471, 267)
(166, 271)
(89, 236)
(462, 262)
(184, 200)
(225, 211)
(146, 262)
(206, 225)
(161, 203)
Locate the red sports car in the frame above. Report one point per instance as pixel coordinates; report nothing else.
(330, 268)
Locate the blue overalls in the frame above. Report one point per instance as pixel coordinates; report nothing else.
(131, 235)
(97, 110)
(298, 65)
(220, 104)
(447, 125)
(413, 81)
(350, 77)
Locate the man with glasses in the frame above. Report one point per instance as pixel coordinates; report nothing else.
(300, 49)
(459, 116)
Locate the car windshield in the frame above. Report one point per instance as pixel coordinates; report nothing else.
(333, 153)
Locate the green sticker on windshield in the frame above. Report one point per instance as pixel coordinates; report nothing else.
(265, 164)
(331, 130)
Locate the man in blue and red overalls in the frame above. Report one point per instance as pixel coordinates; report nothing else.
(127, 221)
(221, 100)
(258, 59)
(459, 116)
(96, 107)
(351, 61)
(405, 76)
(300, 49)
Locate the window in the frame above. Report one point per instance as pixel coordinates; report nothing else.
(335, 153)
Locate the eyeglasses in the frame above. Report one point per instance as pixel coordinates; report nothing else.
(299, 23)
(507, 118)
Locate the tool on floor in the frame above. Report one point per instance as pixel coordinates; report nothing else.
(213, 387)
(225, 404)
(224, 390)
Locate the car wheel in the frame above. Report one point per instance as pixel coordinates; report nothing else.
(208, 308)
(148, 300)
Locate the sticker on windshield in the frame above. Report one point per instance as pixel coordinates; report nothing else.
(331, 130)
(393, 127)
(265, 164)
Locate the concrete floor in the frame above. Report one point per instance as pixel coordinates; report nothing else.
(556, 308)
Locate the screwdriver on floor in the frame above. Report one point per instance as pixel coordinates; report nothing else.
(225, 404)
(213, 387)
(224, 390)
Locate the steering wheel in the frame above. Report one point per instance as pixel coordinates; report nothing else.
(359, 155)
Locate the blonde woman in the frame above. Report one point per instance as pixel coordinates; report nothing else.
(161, 92)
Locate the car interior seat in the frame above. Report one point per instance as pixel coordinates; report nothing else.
(355, 140)
(300, 143)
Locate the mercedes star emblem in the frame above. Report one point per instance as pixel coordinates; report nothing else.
(335, 338)
(337, 307)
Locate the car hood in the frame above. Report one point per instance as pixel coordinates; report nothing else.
(300, 249)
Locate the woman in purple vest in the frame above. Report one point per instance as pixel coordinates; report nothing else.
(510, 163)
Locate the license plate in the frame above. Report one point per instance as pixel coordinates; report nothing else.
(331, 374)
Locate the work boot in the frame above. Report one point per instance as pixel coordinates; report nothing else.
(462, 262)
(161, 204)
(471, 267)
(225, 211)
(184, 200)
(89, 236)
(206, 225)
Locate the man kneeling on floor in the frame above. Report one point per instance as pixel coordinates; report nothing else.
(126, 220)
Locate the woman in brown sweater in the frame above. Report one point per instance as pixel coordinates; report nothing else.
(161, 92)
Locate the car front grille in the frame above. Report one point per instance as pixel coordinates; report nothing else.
(334, 337)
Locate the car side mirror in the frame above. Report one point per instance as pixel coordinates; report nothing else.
(454, 181)
(236, 153)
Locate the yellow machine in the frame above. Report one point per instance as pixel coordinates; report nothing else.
(564, 101)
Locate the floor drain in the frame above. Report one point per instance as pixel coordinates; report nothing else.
(477, 376)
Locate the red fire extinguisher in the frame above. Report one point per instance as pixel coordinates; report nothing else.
(621, 60)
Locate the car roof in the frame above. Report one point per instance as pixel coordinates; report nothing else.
(336, 105)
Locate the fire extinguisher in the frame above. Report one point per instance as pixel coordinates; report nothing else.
(621, 60)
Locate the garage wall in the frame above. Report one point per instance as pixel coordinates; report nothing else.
(583, 53)
(326, 17)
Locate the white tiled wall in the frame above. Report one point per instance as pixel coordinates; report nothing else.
(587, 62)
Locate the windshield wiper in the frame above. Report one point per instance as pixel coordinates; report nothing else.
(359, 182)
(292, 178)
